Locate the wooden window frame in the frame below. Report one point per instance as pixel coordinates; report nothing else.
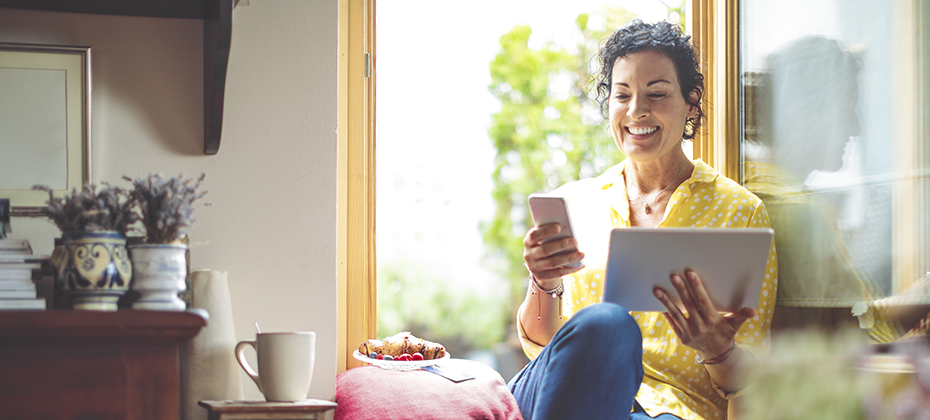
(356, 265)
(714, 28)
(911, 192)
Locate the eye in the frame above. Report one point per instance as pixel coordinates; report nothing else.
(657, 95)
(622, 96)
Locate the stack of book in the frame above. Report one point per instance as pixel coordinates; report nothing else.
(17, 287)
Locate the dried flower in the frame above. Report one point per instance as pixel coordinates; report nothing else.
(167, 205)
(91, 210)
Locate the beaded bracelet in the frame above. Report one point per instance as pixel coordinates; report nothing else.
(555, 293)
(718, 359)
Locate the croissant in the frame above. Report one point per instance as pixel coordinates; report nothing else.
(402, 343)
(395, 345)
(370, 346)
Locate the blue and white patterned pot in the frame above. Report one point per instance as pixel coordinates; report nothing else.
(93, 269)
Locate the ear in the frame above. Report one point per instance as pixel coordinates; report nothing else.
(693, 97)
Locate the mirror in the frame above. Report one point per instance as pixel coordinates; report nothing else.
(45, 120)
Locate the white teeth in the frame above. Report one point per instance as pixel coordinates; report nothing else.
(642, 130)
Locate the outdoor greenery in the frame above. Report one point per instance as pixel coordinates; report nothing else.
(815, 375)
(412, 299)
(548, 131)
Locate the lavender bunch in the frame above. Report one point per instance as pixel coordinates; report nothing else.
(167, 205)
(91, 210)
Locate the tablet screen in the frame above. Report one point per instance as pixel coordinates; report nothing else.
(731, 262)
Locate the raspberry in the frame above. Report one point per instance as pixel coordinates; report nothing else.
(380, 357)
(417, 356)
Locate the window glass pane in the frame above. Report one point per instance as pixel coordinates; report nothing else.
(450, 198)
(835, 143)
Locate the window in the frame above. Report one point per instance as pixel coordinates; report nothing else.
(881, 195)
(357, 182)
(471, 120)
(834, 139)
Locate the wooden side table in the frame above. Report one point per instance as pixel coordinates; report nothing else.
(246, 410)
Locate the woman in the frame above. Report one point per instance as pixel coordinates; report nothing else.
(594, 360)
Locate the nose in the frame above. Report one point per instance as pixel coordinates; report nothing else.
(638, 107)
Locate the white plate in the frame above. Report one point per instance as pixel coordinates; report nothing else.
(398, 364)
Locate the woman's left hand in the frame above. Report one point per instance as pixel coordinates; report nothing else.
(704, 329)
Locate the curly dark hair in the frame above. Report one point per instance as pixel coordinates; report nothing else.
(663, 37)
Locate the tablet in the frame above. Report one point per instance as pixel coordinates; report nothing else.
(731, 262)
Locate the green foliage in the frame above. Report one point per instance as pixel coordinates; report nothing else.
(810, 375)
(412, 299)
(547, 132)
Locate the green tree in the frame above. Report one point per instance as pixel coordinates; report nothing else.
(548, 131)
(412, 298)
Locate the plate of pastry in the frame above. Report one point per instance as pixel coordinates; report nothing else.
(402, 351)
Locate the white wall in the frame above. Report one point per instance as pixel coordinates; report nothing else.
(272, 225)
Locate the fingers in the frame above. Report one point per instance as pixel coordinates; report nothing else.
(684, 294)
(699, 296)
(678, 331)
(549, 260)
(695, 320)
(674, 315)
(737, 318)
(538, 234)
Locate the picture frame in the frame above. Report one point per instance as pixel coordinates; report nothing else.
(45, 122)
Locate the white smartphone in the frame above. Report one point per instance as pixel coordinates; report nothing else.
(548, 209)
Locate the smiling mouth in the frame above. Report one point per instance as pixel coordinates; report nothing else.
(639, 131)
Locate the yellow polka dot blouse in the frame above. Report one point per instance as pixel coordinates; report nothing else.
(673, 382)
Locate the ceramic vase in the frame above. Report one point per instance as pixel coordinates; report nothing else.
(92, 269)
(159, 274)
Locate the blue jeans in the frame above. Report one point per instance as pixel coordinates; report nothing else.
(591, 369)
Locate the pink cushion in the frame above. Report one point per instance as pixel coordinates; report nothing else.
(370, 392)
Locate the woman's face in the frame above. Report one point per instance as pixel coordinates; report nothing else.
(646, 109)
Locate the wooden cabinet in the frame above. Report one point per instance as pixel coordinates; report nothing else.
(217, 36)
(66, 364)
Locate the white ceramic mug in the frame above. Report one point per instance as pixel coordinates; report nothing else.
(285, 364)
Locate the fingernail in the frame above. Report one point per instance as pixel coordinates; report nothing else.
(657, 293)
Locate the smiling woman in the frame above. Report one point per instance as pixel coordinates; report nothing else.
(648, 115)
(648, 107)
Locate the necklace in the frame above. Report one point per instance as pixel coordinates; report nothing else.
(656, 195)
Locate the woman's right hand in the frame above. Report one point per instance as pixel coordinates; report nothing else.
(548, 262)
